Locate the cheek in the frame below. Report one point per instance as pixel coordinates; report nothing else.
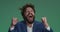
(33, 13)
(25, 14)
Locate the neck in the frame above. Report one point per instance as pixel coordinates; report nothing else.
(28, 24)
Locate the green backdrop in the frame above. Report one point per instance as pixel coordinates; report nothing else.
(48, 8)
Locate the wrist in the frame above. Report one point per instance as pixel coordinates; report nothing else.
(46, 25)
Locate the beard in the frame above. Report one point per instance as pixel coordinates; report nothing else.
(28, 20)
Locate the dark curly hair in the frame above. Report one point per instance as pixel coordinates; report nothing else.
(23, 9)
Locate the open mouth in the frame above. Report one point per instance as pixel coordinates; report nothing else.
(30, 19)
(30, 16)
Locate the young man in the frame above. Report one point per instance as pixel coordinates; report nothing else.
(29, 24)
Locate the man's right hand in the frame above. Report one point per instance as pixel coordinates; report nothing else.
(13, 23)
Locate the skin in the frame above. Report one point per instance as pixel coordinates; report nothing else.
(44, 21)
(14, 22)
(29, 14)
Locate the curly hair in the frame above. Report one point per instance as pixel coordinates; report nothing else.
(23, 9)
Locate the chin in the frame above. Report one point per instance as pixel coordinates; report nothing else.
(30, 21)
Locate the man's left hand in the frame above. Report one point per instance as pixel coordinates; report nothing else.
(44, 21)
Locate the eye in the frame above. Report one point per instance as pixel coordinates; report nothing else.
(27, 11)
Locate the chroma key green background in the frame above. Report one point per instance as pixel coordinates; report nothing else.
(48, 8)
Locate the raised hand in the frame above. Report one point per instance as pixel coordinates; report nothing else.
(44, 21)
(14, 22)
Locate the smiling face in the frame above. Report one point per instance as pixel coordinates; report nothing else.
(29, 15)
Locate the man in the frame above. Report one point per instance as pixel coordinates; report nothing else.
(29, 24)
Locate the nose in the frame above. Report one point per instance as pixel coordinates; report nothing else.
(30, 13)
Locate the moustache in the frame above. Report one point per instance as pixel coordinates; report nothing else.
(30, 15)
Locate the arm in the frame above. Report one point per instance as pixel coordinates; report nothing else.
(13, 27)
(48, 29)
(46, 26)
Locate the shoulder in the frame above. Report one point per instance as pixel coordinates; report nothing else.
(20, 23)
(39, 23)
